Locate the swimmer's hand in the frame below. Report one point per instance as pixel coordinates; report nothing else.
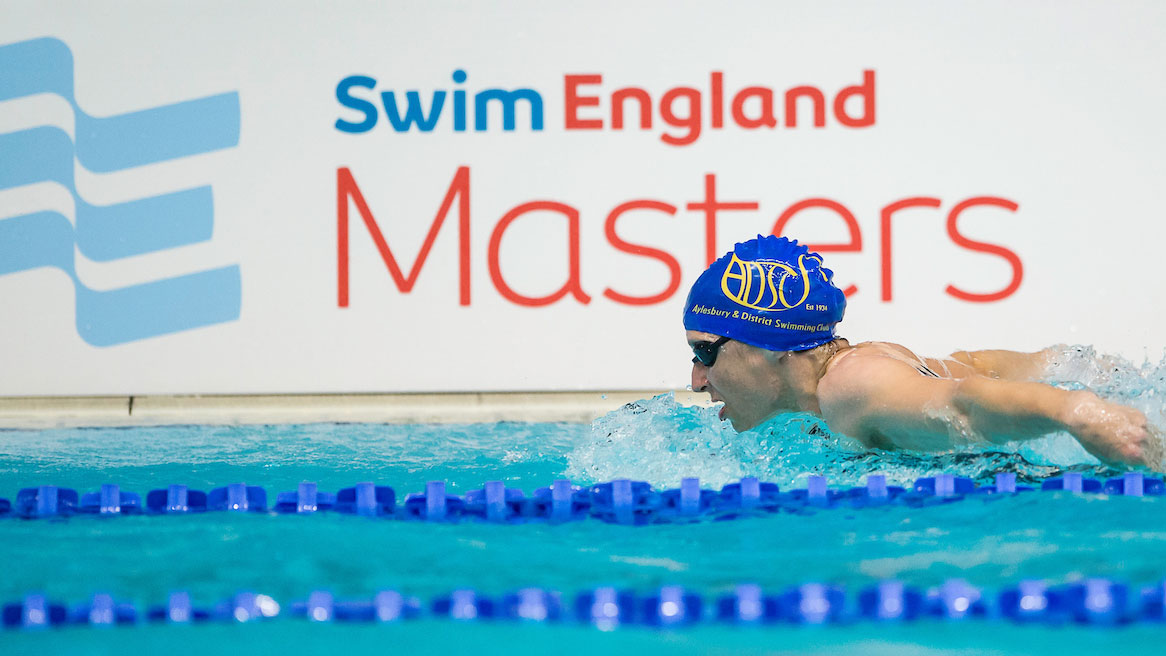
(1113, 433)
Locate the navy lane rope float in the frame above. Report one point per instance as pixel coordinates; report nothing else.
(1098, 602)
(621, 501)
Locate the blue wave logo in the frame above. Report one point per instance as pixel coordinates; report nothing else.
(109, 232)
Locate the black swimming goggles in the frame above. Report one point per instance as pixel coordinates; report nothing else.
(706, 352)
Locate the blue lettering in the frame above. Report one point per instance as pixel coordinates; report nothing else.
(413, 114)
(369, 109)
(459, 103)
(413, 111)
(508, 100)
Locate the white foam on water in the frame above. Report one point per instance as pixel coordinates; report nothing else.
(660, 441)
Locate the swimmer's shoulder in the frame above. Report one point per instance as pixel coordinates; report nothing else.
(863, 382)
(853, 382)
(932, 367)
(855, 369)
(865, 354)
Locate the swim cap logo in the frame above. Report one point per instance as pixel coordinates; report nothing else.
(761, 284)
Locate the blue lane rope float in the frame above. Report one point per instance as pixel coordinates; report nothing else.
(1096, 601)
(621, 501)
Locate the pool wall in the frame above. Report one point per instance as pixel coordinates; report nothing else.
(578, 407)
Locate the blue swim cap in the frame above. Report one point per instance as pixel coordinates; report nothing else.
(768, 292)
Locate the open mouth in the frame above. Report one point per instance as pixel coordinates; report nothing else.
(721, 412)
(715, 398)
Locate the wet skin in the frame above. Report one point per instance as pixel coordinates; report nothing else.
(875, 393)
(753, 383)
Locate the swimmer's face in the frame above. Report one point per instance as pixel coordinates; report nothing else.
(743, 377)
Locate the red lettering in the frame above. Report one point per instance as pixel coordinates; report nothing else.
(717, 104)
(851, 225)
(981, 247)
(885, 233)
(867, 92)
(766, 119)
(691, 120)
(635, 249)
(791, 106)
(710, 206)
(572, 102)
(640, 95)
(573, 281)
(346, 189)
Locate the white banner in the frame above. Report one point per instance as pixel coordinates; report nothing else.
(272, 197)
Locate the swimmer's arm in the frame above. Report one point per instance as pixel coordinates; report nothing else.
(884, 402)
(1008, 365)
(918, 412)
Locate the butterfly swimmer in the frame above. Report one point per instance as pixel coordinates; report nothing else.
(761, 322)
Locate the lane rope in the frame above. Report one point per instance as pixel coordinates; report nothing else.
(1095, 601)
(620, 501)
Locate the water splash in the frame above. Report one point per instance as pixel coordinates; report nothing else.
(660, 441)
(1111, 377)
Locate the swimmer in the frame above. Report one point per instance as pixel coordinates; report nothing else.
(760, 322)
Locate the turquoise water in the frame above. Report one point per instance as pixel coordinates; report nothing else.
(989, 542)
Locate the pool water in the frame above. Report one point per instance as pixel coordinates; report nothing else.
(990, 542)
